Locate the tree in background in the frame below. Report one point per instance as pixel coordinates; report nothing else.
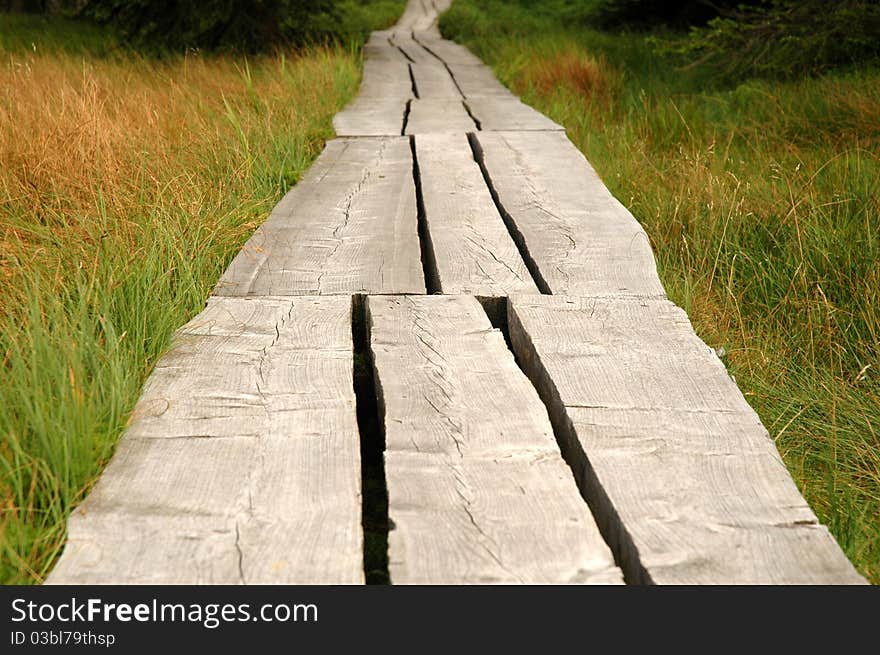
(646, 14)
(754, 37)
(788, 37)
(248, 25)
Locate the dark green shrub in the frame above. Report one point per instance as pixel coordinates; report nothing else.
(783, 38)
(245, 25)
(211, 24)
(646, 14)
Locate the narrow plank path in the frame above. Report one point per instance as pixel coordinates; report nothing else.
(545, 414)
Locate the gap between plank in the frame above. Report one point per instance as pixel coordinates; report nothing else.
(613, 531)
(477, 123)
(402, 51)
(470, 113)
(429, 259)
(406, 111)
(515, 234)
(442, 61)
(412, 81)
(374, 491)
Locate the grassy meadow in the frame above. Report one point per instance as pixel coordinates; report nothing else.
(762, 202)
(127, 183)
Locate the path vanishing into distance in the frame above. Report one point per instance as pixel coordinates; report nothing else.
(547, 414)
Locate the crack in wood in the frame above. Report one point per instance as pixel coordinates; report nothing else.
(429, 258)
(413, 83)
(515, 234)
(370, 418)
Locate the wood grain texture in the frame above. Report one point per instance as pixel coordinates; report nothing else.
(478, 492)
(380, 46)
(448, 51)
(582, 240)
(434, 81)
(412, 49)
(371, 116)
(242, 461)
(439, 115)
(474, 252)
(386, 79)
(421, 16)
(477, 80)
(349, 226)
(683, 477)
(506, 112)
(386, 87)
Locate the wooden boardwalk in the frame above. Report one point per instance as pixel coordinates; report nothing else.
(548, 416)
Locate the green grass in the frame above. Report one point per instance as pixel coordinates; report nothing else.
(21, 33)
(126, 186)
(762, 202)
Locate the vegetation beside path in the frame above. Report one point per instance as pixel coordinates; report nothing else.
(761, 200)
(127, 183)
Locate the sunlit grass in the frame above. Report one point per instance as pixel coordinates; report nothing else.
(126, 186)
(762, 202)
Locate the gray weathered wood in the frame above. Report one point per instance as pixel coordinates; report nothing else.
(241, 464)
(371, 116)
(434, 81)
(500, 112)
(412, 49)
(477, 489)
(477, 80)
(439, 115)
(679, 467)
(386, 79)
(582, 240)
(421, 16)
(380, 47)
(350, 226)
(448, 51)
(474, 252)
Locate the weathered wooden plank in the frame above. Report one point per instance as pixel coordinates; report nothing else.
(350, 226)
(477, 80)
(434, 81)
(470, 75)
(241, 464)
(371, 116)
(582, 240)
(438, 115)
(474, 252)
(506, 112)
(380, 107)
(386, 79)
(477, 489)
(412, 49)
(679, 468)
(380, 47)
(448, 51)
(421, 16)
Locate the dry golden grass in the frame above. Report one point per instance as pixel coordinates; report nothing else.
(570, 70)
(89, 147)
